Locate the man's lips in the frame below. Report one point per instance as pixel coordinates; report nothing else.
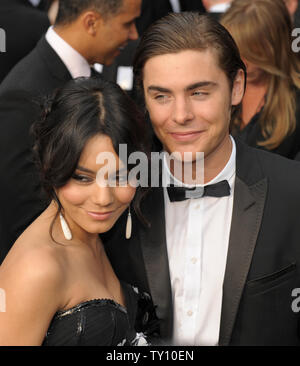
(185, 136)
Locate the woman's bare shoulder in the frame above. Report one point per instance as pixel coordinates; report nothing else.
(32, 279)
(34, 258)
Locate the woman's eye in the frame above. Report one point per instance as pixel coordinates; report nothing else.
(118, 180)
(122, 179)
(82, 178)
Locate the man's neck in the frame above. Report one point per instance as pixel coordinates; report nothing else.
(215, 162)
(204, 169)
(73, 37)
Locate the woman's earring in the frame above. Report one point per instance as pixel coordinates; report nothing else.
(128, 225)
(65, 227)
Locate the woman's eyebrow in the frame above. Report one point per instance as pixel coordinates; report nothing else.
(81, 168)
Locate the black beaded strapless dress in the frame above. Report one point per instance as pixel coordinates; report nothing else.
(98, 322)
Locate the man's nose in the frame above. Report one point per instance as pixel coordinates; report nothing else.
(133, 33)
(182, 111)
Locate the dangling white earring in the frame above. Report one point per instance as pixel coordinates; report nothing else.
(65, 228)
(128, 225)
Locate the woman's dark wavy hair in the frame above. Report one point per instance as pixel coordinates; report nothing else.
(81, 109)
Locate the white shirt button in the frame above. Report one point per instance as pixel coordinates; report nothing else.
(194, 260)
(190, 313)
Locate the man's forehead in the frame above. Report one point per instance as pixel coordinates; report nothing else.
(131, 8)
(185, 68)
(175, 59)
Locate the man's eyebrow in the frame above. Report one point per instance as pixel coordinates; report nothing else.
(158, 88)
(199, 84)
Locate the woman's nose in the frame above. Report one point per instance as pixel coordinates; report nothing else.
(103, 195)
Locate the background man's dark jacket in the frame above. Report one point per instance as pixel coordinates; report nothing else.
(24, 25)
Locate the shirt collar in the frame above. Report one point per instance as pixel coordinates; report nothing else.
(219, 8)
(76, 64)
(226, 174)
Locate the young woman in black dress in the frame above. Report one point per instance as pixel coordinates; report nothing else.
(59, 287)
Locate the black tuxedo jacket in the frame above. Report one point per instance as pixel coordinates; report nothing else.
(263, 259)
(38, 74)
(24, 25)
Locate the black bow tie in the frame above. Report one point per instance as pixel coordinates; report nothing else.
(95, 73)
(177, 194)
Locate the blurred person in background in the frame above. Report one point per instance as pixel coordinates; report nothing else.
(24, 25)
(292, 6)
(270, 115)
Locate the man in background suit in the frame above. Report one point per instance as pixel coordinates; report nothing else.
(83, 34)
(24, 25)
(221, 260)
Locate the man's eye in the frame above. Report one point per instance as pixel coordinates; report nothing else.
(82, 178)
(161, 98)
(199, 93)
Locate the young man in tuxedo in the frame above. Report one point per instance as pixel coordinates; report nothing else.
(85, 32)
(222, 268)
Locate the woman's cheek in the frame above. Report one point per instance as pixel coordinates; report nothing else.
(125, 194)
(72, 194)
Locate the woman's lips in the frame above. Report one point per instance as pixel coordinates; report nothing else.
(101, 216)
(185, 136)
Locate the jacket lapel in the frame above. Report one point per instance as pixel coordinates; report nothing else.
(54, 64)
(154, 249)
(249, 199)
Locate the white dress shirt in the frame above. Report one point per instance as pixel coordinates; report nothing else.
(219, 8)
(73, 60)
(175, 4)
(197, 232)
(35, 2)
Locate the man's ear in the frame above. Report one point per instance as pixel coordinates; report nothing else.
(91, 21)
(238, 88)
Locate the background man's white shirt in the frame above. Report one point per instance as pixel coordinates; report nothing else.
(73, 60)
(175, 4)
